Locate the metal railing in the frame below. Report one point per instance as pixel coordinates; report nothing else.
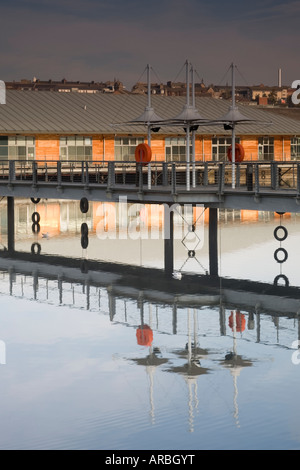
(248, 176)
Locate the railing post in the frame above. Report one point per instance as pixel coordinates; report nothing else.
(205, 176)
(238, 175)
(149, 175)
(298, 179)
(140, 178)
(82, 173)
(34, 173)
(221, 178)
(111, 175)
(165, 173)
(59, 180)
(256, 172)
(11, 171)
(87, 175)
(173, 178)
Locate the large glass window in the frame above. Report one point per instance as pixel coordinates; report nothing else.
(125, 148)
(76, 148)
(17, 148)
(266, 148)
(295, 148)
(176, 149)
(220, 146)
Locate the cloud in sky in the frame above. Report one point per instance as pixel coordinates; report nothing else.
(101, 40)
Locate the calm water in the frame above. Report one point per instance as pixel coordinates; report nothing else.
(76, 373)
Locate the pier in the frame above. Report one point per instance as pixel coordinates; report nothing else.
(270, 186)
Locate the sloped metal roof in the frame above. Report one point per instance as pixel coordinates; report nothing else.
(28, 112)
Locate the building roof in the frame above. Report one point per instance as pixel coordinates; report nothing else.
(27, 112)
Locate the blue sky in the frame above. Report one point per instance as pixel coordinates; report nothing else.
(101, 40)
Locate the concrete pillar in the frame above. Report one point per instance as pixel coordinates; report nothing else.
(10, 224)
(213, 242)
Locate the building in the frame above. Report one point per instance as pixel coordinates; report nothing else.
(81, 126)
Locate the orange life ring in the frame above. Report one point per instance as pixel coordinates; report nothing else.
(143, 153)
(239, 153)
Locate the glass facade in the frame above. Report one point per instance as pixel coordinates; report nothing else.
(266, 148)
(17, 148)
(125, 148)
(220, 146)
(176, 149)
(295, 148)
(76, 148)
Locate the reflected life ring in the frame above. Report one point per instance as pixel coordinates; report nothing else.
(239, 153)
(284, 235)
(283, 277)
(285, 255)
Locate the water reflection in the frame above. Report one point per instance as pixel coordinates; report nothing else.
(169, 362)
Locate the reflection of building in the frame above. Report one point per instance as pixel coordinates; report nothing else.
(79, 126)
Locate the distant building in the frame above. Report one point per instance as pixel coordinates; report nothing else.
(66, 86)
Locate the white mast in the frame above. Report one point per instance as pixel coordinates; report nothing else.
(187, 128)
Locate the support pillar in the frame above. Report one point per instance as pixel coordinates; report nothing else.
(213, 241)
(168, 239)
(10, 224)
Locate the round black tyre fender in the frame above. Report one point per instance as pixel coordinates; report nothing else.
(281, 250)
(84, 242)
(283, 277)
(35, 248)
(191, 254)
(35, 200)
(84, 205)
(285, 233)
(84, 229)
(35, 228)
(35, 217)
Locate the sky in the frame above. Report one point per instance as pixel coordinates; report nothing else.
(104, 40)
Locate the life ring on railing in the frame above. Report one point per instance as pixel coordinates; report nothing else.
(239, 153)
(143, 153)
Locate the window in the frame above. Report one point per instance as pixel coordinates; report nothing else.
(220, 146)
(76, 148)
(295, 148)
(176, 149)
(125, 148)
(266, 148)
(17, 148)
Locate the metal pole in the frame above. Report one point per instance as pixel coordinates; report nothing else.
(233, 127)
(187, 130)
(193, 132)
(149, 102)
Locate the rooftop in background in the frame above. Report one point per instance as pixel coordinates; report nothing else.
(66, 86)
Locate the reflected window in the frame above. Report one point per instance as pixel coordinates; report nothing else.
(125, 148)
(220, 146)
(78, 148)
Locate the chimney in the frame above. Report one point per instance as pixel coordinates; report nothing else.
(279, 78)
